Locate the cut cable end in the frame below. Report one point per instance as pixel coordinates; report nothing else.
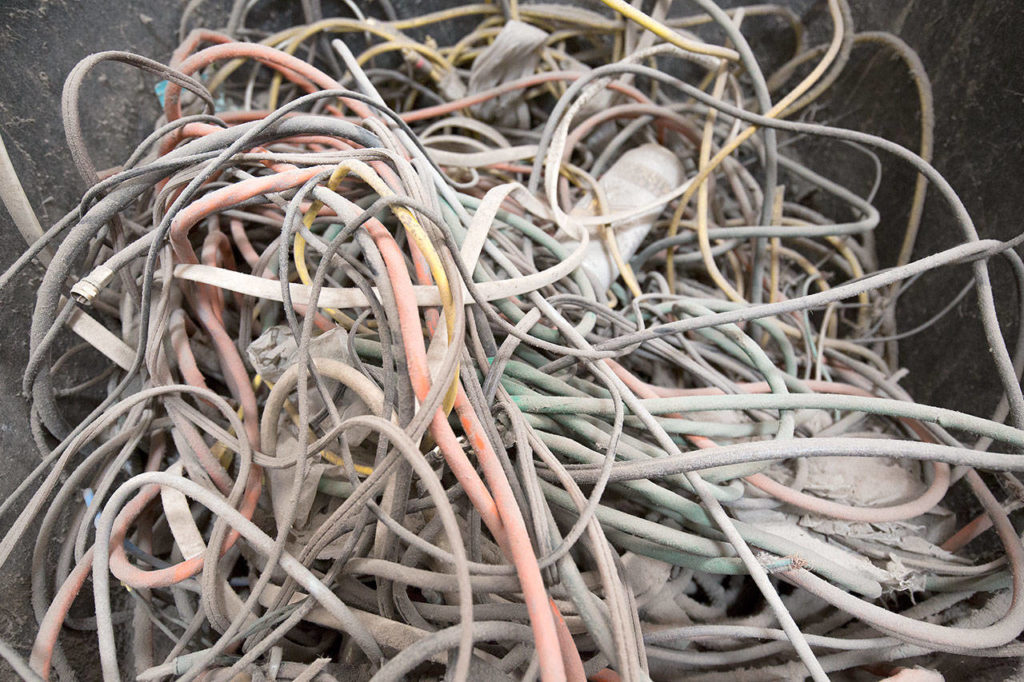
(85, 290)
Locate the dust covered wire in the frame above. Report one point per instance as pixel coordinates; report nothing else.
(415, 361)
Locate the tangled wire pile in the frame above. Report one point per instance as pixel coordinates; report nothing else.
(506, 359)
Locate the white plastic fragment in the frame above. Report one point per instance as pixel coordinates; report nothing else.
(275, 350)
(639, 177)
(513, 54)
(915, 675)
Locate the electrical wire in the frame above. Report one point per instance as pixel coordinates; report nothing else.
(417, 361)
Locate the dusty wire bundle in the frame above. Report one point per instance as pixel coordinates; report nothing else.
(496, 361)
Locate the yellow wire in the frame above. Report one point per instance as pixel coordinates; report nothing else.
(774, 244)
(443, 15)
(924, 93)
(774, 294)
(806, 265)
(628, 276)
(548, 56)
(751, 11)
(734, 263)
(780, 198)
(618, 46)
(810, 268)
(303, 270)
(665, 33)
(734, 144)
(849, 256)
(412, 228)
(394, 41)
(417, 234)
(296, 35)
(454, 54)
(220, 450)
(410, 46)
(575, 174)
(703, 200)
(338, 25)
(858, 271)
